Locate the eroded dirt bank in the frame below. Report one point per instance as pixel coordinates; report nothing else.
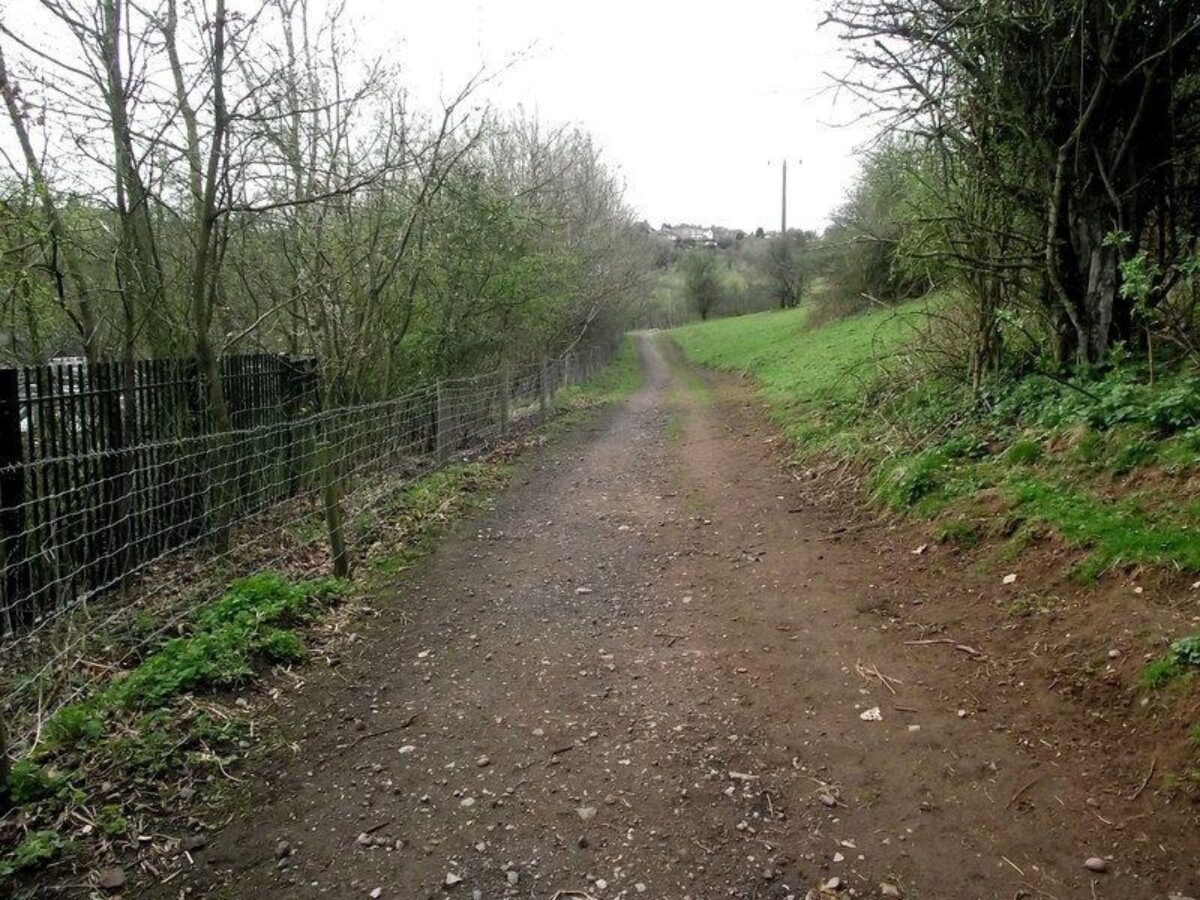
(645, 673)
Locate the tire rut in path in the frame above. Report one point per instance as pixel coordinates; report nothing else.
(637, 676)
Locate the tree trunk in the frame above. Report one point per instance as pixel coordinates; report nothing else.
(1100, 300)
(141, 282)
(1082, 267)
(331, 502)
(1092, 277)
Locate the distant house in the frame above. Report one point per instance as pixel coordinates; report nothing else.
(687, 234)
(727, 237)
(698, 235)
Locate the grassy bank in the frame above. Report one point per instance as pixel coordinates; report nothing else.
(1109, 464)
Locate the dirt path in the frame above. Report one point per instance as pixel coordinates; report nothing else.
(645, 673)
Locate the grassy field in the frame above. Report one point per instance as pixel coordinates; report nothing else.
(1109, 464)
(813, 379)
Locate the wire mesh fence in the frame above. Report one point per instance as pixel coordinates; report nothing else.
(100, 527)
(105, 467)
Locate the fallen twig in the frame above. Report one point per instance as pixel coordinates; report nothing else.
(965, 648)
(872, 671)
(1014, 865)
(1145, 781)
(1022, 790)
(370, 736)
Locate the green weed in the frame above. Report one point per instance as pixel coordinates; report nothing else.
(112, 821)
(36, 849)
(72, 726)
(242, 632)
(29, 782)
(1182, 659)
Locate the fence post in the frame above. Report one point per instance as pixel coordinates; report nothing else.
(12, 496)
(443, 437)
(505, 398)
(331, 500)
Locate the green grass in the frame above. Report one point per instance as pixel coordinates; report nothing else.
(1115, 532)
(812, 379)
(1181, 661)
(616, 381)
(415, 519)
(1056, 454)
(956, 531)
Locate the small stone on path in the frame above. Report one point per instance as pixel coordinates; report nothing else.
(111, 879)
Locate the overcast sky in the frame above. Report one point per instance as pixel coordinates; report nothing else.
(696, 102)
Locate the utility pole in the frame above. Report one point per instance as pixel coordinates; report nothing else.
(783, 203)
(783, 196)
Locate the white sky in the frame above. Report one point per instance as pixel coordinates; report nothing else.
(695, 102)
